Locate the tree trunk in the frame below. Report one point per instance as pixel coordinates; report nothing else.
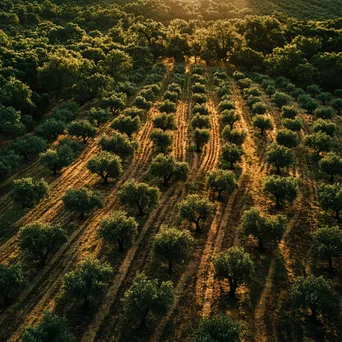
(332, 178)
(278, 169)
(232, 165)
(141, 212)
(198, 228)
(314, 312)
(82, 215)
(261, 245)
(337, 214)
(143, 320)
(86, 301)
(105, 178)
(121, 245)
(170, 266)
(84, 139)
(330, 264)
(219, 194)
(277, 202)
(54, 170)
(232, 285)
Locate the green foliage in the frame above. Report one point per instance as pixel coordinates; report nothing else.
(196, 209)
(281, 99)
(167, 106)
(39, 240)
(219, 329)
(259, 108)
(98, 116)
(162, 140)
(319, 142)
(126, 124)
(324, 113)
(331, 164)
(324, 126)
(200, 121)
(280, 156)
(55, 160)
(328, 244)
(294, 125)
(30, 146)
(51, 129)
(282, 189)
(164, 121)
(330, 198)
(10, 122)
(313, 294)
(226, 105)
(147, 296)
(114, 102)
(222, 181)
(81, 201)
(267, 229)
(235, 265)
(229, 117)
(119, 228)
(337, 104)
(87, 281)
(139, 196)
(230, 155)
(289, 112)
(287, 138)
(324, 98)
(234, 136)
(105, 165)
(118, 144)
(168, 168)
(82, 129)
(313, 90)
(263, 123)
(51, 328)
(27, 192)
(12, 281)
(172, 245)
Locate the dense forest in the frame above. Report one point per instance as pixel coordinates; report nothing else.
(170, 170)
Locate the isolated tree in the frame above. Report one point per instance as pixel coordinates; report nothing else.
(12, 281)
(263, 123)
(119, 228)
(287, 138)
(324, 126)
(81, 201)
(328, 244)
(313, 295)
(55, 160)
(172, 245)
(87, 281)
(168, 107)
(270, 90)
(162, 141)
(296, 93)
(226, 105)
(230, 155)
(331, 164)
(50, 129)
(219, 329)
(164, 121)
(283, 189)
(281, 99)
(27, 192)
(118, 144)
(330, 198)
(265, 228)
(134, 112)
(115, 102)
(202, 137)
(325, 113)
(82, 129)
(39, 240)
(139, 196)
(252, 100)
(279, 156)
(319, 142)
(289, 112)
(259, 108)
(147, 296)
(195, 209)
(222, 181)
(126, 124)
(10, 122)
(98, 116)
(106, 165)
(313, 90)
(337, 104)
(229, 117)
(234, 136)
(142, 103)
(200, 121)
(51, 328)
(235, 265)
(168, 168)
(201, 109)
(29, 147)
(324, 98)
(309, 105)
(198, 88)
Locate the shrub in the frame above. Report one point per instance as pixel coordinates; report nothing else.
(230, 155)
